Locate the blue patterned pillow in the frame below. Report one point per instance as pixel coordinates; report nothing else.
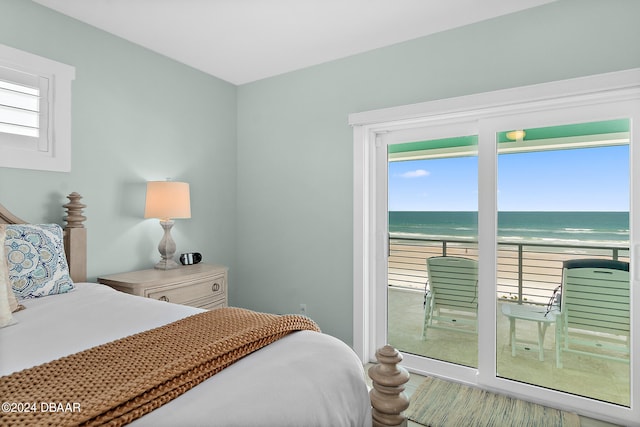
(37, 263)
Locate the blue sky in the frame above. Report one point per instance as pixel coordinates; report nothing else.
(588, 179)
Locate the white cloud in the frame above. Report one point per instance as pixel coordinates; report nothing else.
(415, 174)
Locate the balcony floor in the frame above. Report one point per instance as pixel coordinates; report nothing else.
(583, 375)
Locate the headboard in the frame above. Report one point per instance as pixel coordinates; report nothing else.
(75, 235)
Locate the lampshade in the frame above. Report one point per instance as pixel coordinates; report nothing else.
(167, 200)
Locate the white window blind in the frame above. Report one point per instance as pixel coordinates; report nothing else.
(32, 88)
(22, 113)
(19, 109)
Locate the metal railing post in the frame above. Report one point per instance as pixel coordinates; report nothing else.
(520, 283)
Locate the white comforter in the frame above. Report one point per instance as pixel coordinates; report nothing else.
(304, 379)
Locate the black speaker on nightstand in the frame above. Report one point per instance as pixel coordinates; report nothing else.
(190, 258)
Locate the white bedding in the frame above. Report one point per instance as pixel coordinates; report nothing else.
(304, 379)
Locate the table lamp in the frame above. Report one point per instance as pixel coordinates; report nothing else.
(167, 200)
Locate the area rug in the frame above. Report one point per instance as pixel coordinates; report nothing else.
(438, 403)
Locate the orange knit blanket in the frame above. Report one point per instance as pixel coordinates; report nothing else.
(120, 381)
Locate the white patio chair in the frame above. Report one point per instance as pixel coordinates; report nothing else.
(594, 310)
(451, 300)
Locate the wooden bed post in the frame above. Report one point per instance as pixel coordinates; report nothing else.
(387, 396)
(75, 238)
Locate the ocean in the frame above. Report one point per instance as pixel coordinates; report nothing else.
(557, 228)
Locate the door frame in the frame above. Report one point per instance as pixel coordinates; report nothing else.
(369, 237)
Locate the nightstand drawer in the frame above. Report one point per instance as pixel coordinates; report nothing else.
(200, 285)
(189, 292)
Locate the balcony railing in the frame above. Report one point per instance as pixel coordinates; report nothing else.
(526, 272)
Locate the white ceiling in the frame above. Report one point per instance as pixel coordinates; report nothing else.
(241, 41)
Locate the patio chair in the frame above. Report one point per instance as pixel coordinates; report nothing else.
(594, 310)
(451, 297)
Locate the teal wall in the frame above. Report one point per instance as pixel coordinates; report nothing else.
(270, 163)
(295, 172)
(136, 116)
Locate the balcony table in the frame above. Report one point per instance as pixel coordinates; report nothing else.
(533, 313)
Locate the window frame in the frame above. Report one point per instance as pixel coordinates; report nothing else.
(369, 244)
(51, 151)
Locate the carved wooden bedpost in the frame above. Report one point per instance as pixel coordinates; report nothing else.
(387, 396)
(75, 238)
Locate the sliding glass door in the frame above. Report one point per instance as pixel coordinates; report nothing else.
(563, 199)
(480, 223)
(556, 233)
(433, 217)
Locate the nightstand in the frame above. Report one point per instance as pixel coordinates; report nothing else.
(199, 285)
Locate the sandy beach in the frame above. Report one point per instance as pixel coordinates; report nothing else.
(540, 267)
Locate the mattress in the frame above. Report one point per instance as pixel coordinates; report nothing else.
(304, 379)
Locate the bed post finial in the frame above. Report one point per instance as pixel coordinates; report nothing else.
(387, 396)
(74, 208)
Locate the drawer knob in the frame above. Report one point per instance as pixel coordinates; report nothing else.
(215, 287)
(164, 298)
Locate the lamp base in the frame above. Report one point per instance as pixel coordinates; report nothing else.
(166, 264)
(167, 248)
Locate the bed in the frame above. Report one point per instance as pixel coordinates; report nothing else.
(303, 378)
